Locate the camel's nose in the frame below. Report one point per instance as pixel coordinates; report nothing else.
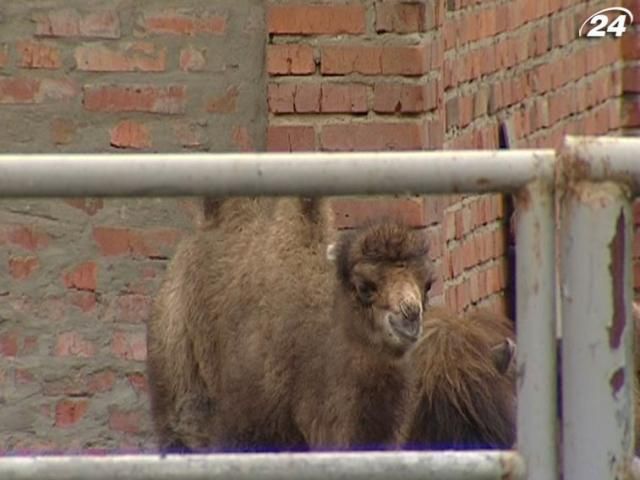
(409, 322)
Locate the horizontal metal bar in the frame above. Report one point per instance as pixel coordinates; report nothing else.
(604, 158)
(478, 465)
(313, 173)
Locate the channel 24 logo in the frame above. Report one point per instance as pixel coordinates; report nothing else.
(600, 24)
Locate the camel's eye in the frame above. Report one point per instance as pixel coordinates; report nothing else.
(366, 290)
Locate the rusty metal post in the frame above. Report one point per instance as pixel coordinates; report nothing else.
(536, 313)
(597, 332)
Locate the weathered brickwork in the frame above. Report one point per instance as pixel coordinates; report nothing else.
(430, 74)
(77, 275)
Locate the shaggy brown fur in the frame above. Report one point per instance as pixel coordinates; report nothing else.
(254, 343)
(466, 391)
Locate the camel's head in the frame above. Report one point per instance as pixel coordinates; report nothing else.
(386, 271)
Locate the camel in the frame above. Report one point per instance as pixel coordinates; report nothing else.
(466, 397)
(256, 341)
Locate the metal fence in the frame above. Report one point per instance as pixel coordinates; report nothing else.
(594, 180)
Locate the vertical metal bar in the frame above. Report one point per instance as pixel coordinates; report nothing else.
(597, 360)
(536, 313)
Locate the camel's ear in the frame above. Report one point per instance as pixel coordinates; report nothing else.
(503, 354)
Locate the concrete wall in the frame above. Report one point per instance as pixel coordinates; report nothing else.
(77, 276)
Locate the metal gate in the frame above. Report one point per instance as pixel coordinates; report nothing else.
(593, 179)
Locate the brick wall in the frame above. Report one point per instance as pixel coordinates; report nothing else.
(518, 65)
(430, 74)
(77, 276)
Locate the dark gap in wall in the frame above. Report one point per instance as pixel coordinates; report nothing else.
(509, 237)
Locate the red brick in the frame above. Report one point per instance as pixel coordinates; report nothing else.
(316, 19)
(406, 60)
(82, 277)
(72, 344)
(101, 381)
(372, 136)
(135, 98)
(183, 22)
(62, 131)
(70, 412)
(9, 344)
(129, 345)
(128, 57)
(631, 113)
(192, 59)
(466, 109)
(495, 278)
(401, 16)
(27, 237)
(280, 97)
(317, 98)
(457, 261)
(33, 54)
(353, 213)
(20, 90)
(90, 206)
(434, 210)
(130, 134)
(343, 98)
(149, 243)
(404, 98)
(29, 344)
(290, 138)
(343, 60)
(460, 230)
(225, 103)
(138, 382)
(290, 59)
(124, 421)
(435, 132)
(70, 23)
(132, 308)
(450, 35)
(306, 98)
(241, 139)
(85, 301)
(631, 79)
(21, 268)
(631, 45)
(469, 253)
(24, 376)
(463, 295)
